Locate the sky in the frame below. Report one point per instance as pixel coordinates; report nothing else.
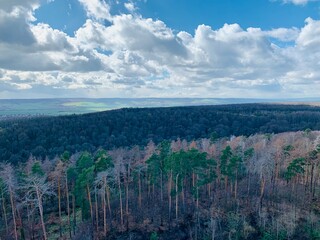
(159, 48)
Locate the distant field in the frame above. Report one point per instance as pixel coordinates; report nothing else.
(53, 107)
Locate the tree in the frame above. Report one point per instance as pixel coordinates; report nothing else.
(3, 204)
(36, 188)
(85, 169)
(72, 176)
(224, 162)
(103, 164)
(119, 171)
(65, 158)
(57, 175)
(295, 168)
(8, 176)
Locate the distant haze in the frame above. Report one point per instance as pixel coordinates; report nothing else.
(52, 107)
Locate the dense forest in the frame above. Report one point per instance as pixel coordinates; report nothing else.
(51, 136)
(265, 186)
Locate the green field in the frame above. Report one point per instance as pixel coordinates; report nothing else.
(54, 107)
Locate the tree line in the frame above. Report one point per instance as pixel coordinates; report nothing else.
(265, 186)
(51, 136)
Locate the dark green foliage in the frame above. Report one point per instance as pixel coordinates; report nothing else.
(234, 166)
(102, 161)
(295, 168)
(53, 136)
(248, 153)
(154, 236)
(37, 170)
(224, 160)
(65, 157)
(213, 137)
(287, 149)
(180, 179)
(85, 161)
(85, 177)
(154, 168)
(268, 235)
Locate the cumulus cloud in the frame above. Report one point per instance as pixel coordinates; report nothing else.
(97, 9)
(298, 2)
(10, 5)
(20, 34)
(133, 56)
(130, 6)
(49, 39)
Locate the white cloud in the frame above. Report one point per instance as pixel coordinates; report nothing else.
(130, 6)
(50, 39)
(283, 34)
(97, 9)
(14, 28)
(134, 56)
(10, 5)
(299, 2)
(310, 35)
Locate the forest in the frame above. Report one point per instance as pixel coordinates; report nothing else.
(262, 186)
(51, 136)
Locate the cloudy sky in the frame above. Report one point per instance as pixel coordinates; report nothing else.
(159, 48)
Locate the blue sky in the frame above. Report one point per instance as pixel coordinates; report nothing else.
(186, 15)
(159, 48)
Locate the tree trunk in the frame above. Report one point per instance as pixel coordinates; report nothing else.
(153, 191)
(315, 181)
(104, 209)
(311, 178)
(193, 179)
(127, 205)
(13, 214)
(226, 184)
(120, 201)
(108, 200)
(177, 197)
(68, 206)
(28, 219)
(40, 206)
(169, 194)
(22, 234)
(161, 187)
(59, 206)
(96, 208)
(4, 210)
(197, 193)
(183, 197)
(236, 186)
(262, 187)
(90, 204)
(213, 228)
(139, 189)
(149, 188)
(74, 213)
(127, 199)
(32, 222)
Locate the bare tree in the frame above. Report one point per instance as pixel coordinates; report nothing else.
(3, 204)
(36, 188)
(103, 181)
(8, 176)
(56, 176)
(119, 172)
(263, 164)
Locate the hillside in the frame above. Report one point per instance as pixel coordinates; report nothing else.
(21, 108)
(257, 187)
(50, 136)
